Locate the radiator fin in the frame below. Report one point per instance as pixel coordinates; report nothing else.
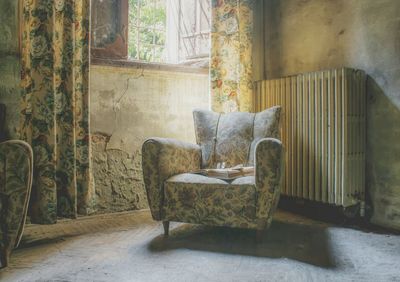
(323, 131)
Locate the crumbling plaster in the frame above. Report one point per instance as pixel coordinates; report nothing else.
(129, 105)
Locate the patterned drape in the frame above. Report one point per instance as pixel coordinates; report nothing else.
(54, 107)
(231, 55)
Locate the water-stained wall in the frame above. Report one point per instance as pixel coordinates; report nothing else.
(128, 105)
(309, 35)
(10, 63)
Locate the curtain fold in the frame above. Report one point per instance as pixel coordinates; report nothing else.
(55, 106)
(231, 69)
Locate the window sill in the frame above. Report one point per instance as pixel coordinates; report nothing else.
(150, 66)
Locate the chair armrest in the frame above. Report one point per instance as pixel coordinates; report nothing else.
(269, 160)
(161, 159)
(16, 170)
(16, 161)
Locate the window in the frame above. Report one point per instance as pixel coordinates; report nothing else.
(188, 30)
(147, 27)
(109, 23)
(160, 31)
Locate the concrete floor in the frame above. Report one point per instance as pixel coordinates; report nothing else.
(129, 247)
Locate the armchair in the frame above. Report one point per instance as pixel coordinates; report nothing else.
(176, 194)
(15, 186)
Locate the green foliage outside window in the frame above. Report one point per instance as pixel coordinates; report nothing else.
(147, 21)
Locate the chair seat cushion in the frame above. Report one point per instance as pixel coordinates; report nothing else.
(194, 178)
(246, 180)
(196, 198)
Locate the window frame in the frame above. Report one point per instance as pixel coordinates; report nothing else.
(195, 34)
(119, 48)
(140, 26)
(116, 53)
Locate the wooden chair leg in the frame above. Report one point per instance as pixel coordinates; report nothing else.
(166, 228)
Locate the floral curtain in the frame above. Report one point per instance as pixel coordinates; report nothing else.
(54, 106)
(231, 55)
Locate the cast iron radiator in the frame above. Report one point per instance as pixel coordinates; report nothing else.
(323, 131)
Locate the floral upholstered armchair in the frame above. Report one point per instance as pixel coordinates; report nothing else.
(176, 194)
(16, 160)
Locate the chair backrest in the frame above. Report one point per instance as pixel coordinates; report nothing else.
(231, 138)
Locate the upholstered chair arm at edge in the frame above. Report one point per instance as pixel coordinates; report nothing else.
(16, 161)
(269, 166)
(161, 159)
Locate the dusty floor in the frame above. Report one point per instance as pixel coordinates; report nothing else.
(128, 247)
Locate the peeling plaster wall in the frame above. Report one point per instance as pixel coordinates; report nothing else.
(309, 35)
(9, 64)
(129, 105)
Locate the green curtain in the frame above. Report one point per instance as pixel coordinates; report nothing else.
(55, 106)
(231, 68)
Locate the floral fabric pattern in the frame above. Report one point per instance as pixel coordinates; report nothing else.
(269, 164)
(15, 188)
(199, 199)
(175, 194)
(205, 125)
(161, 159)
(55, 63)
(232, 137)
(266, 124)
(231, 55)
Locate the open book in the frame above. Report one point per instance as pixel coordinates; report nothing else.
(227, 173)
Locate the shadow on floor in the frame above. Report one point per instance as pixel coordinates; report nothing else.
(303, 243)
